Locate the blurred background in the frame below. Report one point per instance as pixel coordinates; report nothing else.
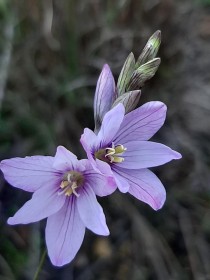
(51, 54)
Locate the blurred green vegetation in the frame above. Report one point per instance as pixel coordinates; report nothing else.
(203, 2)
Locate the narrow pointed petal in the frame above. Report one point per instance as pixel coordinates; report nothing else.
(44, 202)
(142, 123)
(122, 184)
(110, 125)
(64, 233)
(91, 212)
(64, 159)
(145, 154)
(104, 95)
(30, 173)
(145, 186)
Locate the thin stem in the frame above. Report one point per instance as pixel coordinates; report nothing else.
(39, 268)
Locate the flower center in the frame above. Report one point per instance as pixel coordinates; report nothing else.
(72, 180)
(111, 155)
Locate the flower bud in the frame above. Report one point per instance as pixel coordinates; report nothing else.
(129, 100)
(150, 50)
(104, 95)
(125, 74)
(143, 73)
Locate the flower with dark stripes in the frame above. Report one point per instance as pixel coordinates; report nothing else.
(64, 191)
(121, 148)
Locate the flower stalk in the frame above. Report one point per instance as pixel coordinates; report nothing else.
(39, 268)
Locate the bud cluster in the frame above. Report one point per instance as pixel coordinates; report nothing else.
(134, 74)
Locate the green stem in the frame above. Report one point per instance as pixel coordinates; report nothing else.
(40, 265)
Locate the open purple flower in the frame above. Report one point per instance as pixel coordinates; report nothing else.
(121, 147)
(65, 191)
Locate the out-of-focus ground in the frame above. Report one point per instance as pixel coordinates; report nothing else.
(51, 53)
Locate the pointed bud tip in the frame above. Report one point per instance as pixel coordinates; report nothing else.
(158, 32)
(156, 60)
(131, 54)
(150, 50)
(106, 66)
(157, 35)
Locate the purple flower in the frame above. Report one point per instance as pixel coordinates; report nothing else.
(65, 191)
(121, 147)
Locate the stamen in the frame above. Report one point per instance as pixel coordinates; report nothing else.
(112, 152)
(74, 187)
(61, 192)
(64, 184)
(72, 181)
(111, 158)
(118, 159)
(119, 149)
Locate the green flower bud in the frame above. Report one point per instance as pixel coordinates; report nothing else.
(129, 100)
(150, 50)
(143, 73)
(125, 74)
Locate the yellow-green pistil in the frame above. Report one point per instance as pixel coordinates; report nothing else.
(72, 180)
(111, 155)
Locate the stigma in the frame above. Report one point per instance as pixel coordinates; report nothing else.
(72, 180)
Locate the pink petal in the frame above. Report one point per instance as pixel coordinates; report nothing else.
(43, 203)
(64, 233)
(144, 154)
(110, 125)
(64, 159)
(30, 173)
(142, 123)
(145, 186)
(104, 95)
(91, 212)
